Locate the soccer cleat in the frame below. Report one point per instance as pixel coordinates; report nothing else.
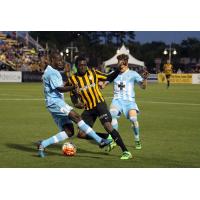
(41, 149)
(138, 145)
(109, 137)
(126, 155)
(104, 143)
(111, 146)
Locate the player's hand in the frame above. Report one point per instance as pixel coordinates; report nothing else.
(79, 105)
(102, 85)
(145, 74)
(77, 89)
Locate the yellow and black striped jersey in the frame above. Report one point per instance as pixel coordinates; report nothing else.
(168, 69)
(90, 93)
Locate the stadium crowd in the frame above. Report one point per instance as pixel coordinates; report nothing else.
(15, 56)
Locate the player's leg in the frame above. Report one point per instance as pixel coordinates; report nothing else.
(66, 130)
(89, 117)
(87, 129)
(168, 80)
(115, 113)
(105, 118)
(132, 115)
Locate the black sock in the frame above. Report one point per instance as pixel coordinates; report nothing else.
(117, 138)
(103, 135)
(168, 83)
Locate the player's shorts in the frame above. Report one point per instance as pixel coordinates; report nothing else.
(101, 111)
(167, 76)
(124, 106)
(60, 112)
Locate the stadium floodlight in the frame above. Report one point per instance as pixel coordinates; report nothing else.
(174, 52)
(71, 49)
(67, 51)
(165, 52)
(170, 51)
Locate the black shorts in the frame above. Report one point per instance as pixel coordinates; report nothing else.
(101, 111)
(168, 76)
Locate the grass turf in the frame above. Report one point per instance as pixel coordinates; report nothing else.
(169, 126)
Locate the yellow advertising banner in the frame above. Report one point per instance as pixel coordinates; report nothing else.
(176, 78)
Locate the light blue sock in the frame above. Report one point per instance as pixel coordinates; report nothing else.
(89, 131)
(115, 114)
(135, 126)
(115, 123)
(55, 139)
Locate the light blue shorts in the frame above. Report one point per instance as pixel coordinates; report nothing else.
(60, 112)
(124, 106)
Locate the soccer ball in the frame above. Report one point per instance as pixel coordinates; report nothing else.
(69, 149)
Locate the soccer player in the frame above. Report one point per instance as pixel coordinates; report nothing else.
(168, 69)
(93, 100)
(62, 113)
(124, 96)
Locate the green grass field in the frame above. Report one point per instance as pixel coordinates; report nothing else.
(169, 126)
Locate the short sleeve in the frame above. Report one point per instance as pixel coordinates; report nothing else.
(137, 78)
(101, 76)
(55, 81)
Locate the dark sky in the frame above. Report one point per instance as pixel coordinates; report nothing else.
(165, 36)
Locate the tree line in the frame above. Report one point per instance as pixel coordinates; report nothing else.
(102, 45)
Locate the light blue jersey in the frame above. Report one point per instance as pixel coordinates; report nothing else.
(124, 85)
(124, 101)
(51, 80)
(124, 94)
(54, 99)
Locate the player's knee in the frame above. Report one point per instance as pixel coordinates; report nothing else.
(114, 112)
(69, 131)
(70, 134)
(75, 117)
(114, 122)
(134, 121)
(108, 127)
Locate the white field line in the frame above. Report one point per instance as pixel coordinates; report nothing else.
(16, 99)
(67, 98)
(172, 103)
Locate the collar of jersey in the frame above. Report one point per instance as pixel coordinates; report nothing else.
(48, 67)
(125, 71)
(82, 75)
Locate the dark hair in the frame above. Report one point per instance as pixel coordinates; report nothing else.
(53, 53)
(122, 57)
(79, 58)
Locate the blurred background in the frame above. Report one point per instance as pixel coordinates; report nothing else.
(24, 51)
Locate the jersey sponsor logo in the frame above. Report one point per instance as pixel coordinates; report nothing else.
(90, 77)
(86, 87)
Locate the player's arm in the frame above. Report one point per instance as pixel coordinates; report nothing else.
(57, 84)
(66, 88)
(143, 84)
(75, 100)
(102, 85)
(142, 80)
(164, 66)
(107, 77)
(74, 96)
